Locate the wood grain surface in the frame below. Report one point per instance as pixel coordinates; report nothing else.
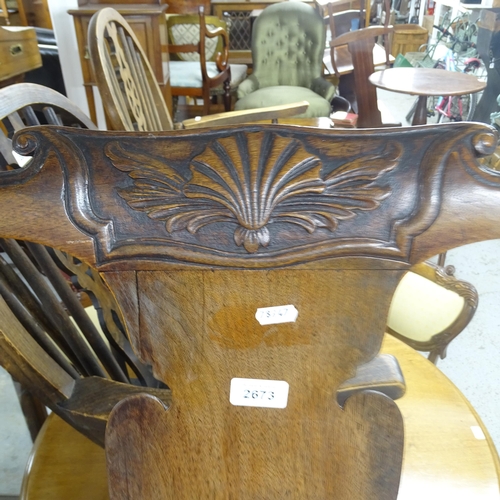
(195, 231)
(442, 458)
(426, 81)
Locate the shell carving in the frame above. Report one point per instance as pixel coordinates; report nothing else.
(252, 180)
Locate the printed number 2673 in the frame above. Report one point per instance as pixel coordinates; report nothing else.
(247, 394)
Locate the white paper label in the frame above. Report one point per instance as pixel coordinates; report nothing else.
(478, 432)
(278, 314)
(259, 393)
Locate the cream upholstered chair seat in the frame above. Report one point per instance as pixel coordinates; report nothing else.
(430, 308)
(421, 308)
(188, 74)
(285, 94)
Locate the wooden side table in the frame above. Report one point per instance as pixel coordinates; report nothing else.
(149, 25)
(425, 82)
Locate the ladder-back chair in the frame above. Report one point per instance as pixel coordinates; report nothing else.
(254, 268)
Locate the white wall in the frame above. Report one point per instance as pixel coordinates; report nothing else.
(64, 30)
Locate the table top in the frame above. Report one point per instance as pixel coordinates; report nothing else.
(445, 454)
(448, 452)
(426, 81)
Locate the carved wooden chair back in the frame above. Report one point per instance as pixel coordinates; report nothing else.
(339, 23)
(254, 267)
(199, 48)
(184, 30)
(43, 323)
(126, 82)
(360, 44)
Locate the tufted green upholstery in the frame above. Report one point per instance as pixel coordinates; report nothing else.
(288, 42)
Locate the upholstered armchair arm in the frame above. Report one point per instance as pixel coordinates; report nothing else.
(323, 88)
(247, 86)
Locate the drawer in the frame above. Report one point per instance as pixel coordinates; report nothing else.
(18, 51)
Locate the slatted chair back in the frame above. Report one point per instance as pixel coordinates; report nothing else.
(254, 267)
(40, 308)
(126, 82)
(360, 44)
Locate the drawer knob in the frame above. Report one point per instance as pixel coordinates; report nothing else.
(15, 50)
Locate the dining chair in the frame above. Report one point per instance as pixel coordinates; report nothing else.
(340, 17)
(131, 96)
(360, 44)
(254, 267)
(199, 59)
(57, 350)
(288, 42)
(430, 308)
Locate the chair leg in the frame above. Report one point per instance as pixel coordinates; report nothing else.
(33, 410)
(206, 100)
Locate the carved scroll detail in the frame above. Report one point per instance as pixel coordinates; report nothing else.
(280, 181)
(464, 289)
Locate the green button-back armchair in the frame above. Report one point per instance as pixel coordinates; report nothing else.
(288, 43)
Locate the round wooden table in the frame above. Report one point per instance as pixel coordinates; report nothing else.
(425, 82)
(447, 453)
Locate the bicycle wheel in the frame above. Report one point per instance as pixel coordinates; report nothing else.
(455, 114)
(432, 114)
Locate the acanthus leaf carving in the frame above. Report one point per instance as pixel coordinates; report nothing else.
(274, 179)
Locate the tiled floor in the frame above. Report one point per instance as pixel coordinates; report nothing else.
(472, 362)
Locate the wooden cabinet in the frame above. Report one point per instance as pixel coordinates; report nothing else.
(149, 25)
(239, 16)
(18, 53)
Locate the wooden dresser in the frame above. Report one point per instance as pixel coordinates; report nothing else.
(18, 53)
(149, 24)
